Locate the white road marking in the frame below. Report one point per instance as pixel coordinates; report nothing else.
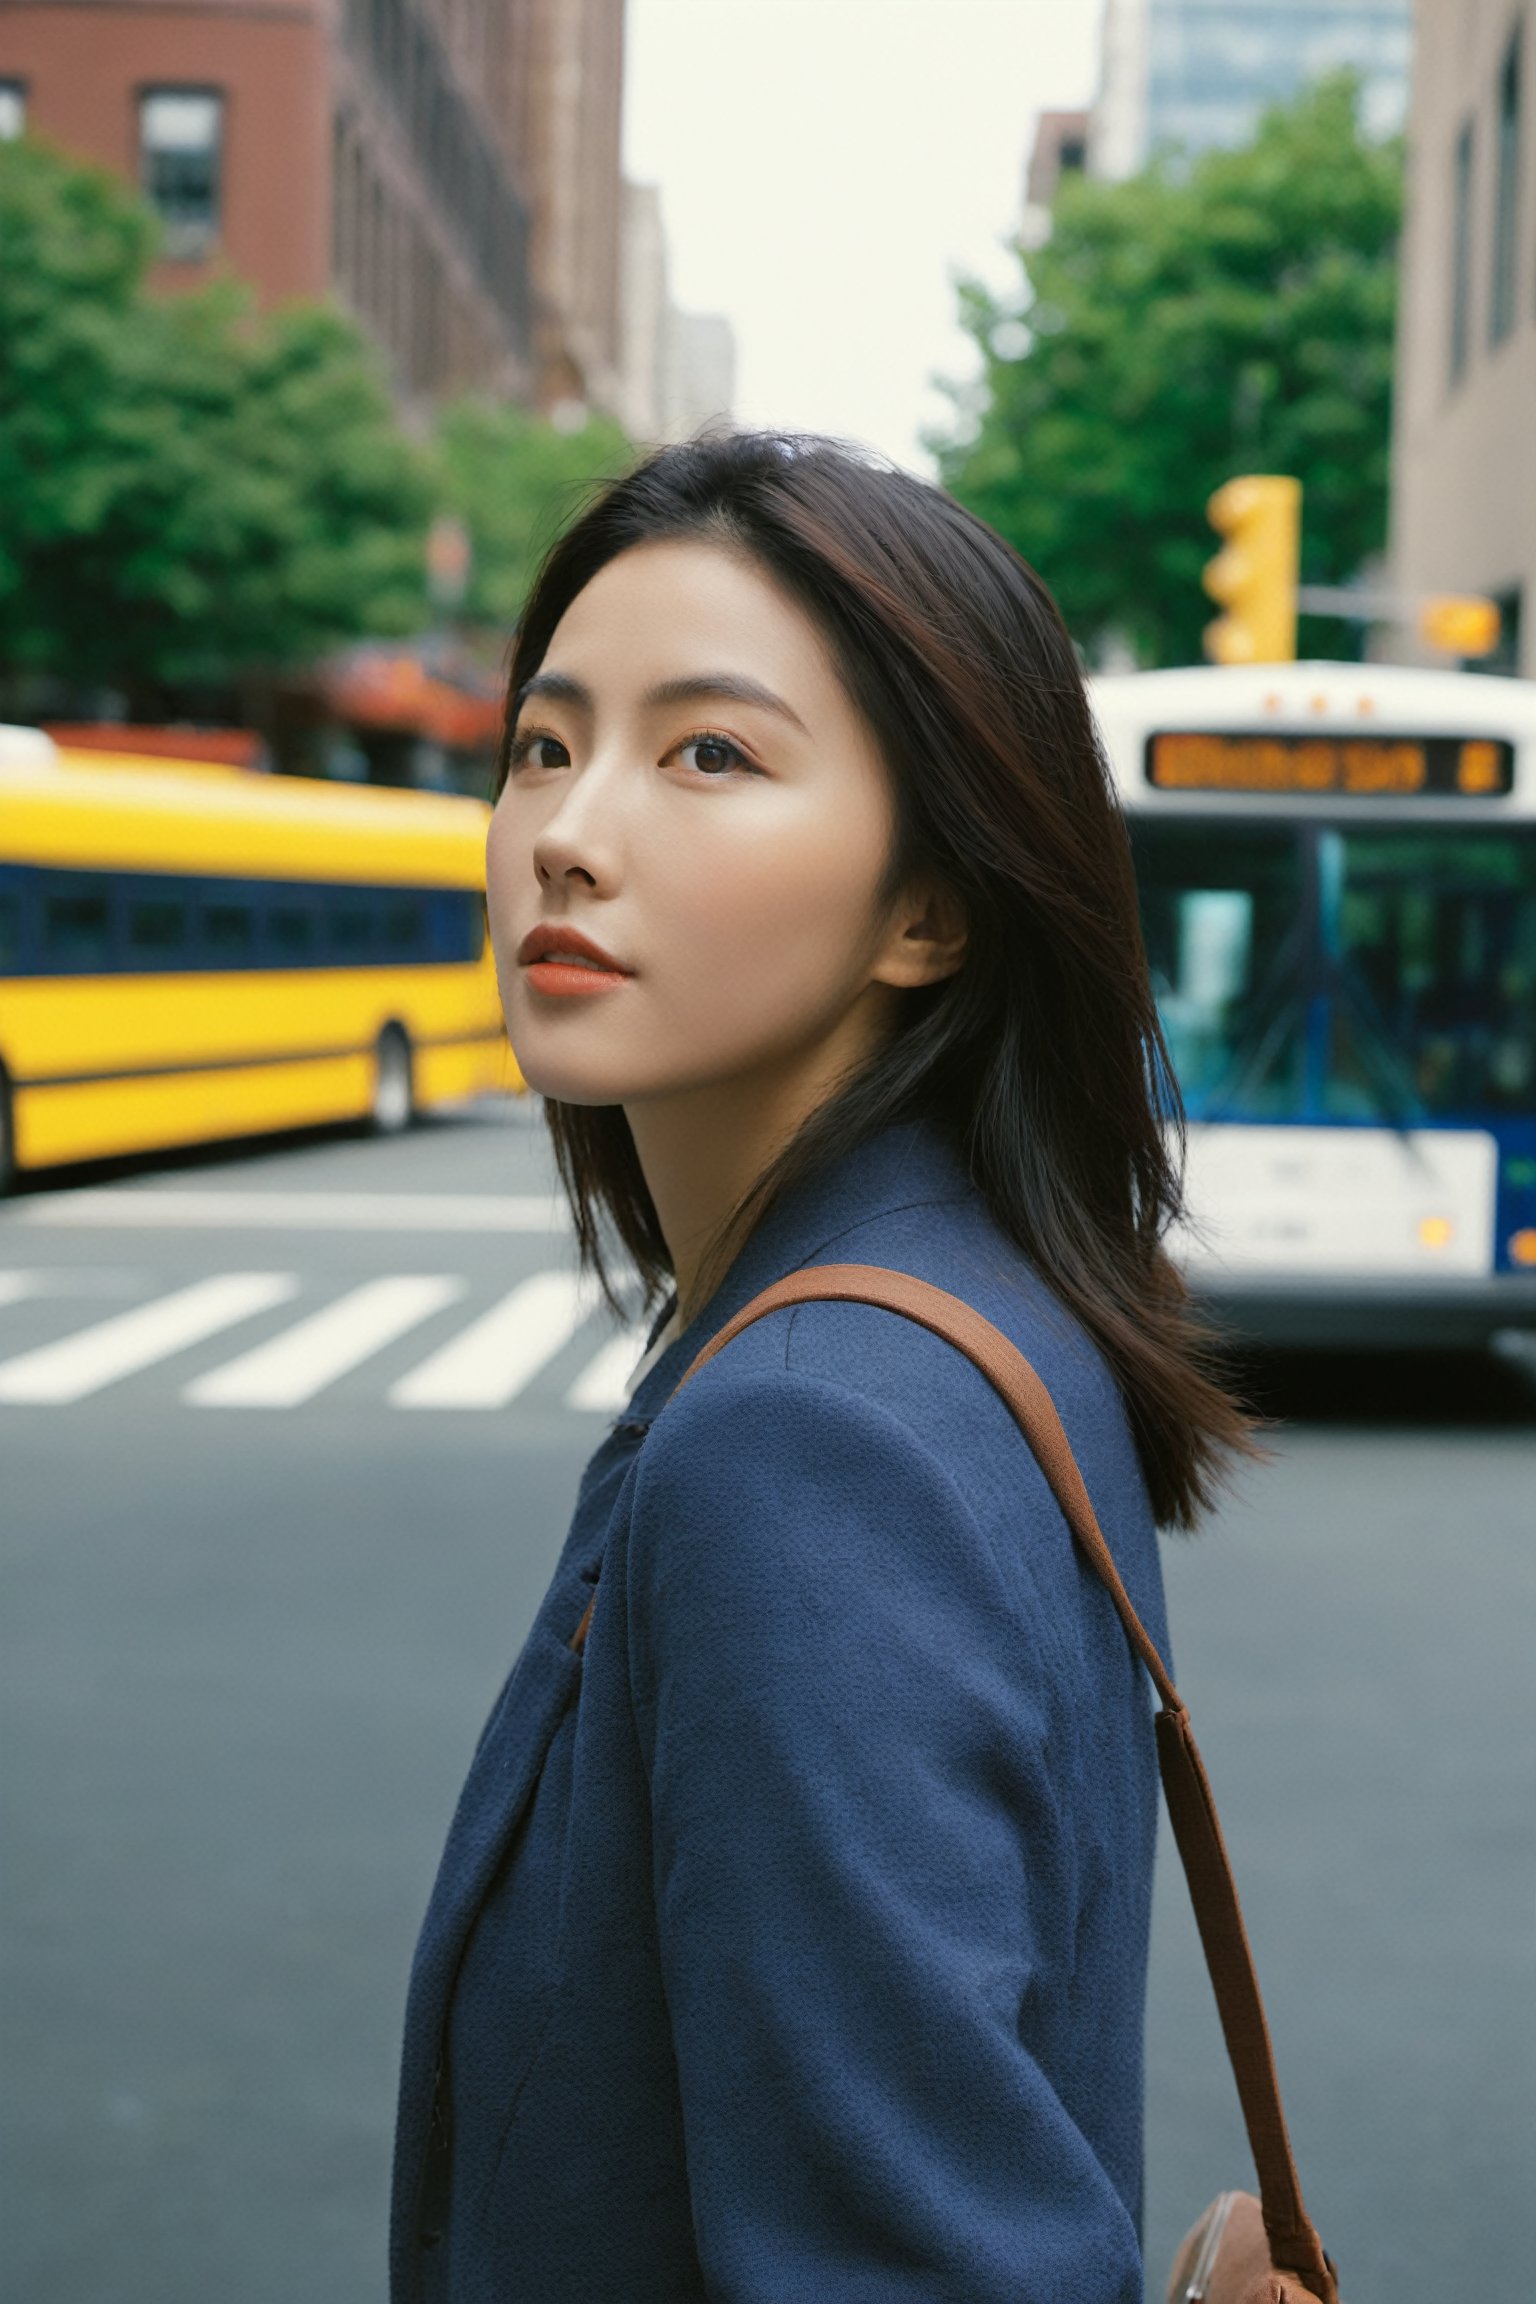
(602, 1388)
(97, 1356)
(138, 1208)
(72, 1280)
(294, 1366)
(502, 1351)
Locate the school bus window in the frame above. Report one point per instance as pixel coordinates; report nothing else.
(157, 928)
(228, 932)
(77, 926)
(404, 930)
(449, 932)
(290, 934)
(351, 927)
(12, 926)
(458, 926)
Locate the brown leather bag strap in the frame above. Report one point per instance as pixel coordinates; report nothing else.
(1293, 2240)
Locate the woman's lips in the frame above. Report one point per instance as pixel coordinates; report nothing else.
(563, 963)
(564, 977)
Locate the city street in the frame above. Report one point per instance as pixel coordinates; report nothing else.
(288, 1440)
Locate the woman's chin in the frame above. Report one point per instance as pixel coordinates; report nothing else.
(569, 1083)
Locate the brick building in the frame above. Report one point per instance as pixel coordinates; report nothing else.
(449, 169)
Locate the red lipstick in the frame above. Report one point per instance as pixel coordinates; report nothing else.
(560, 961)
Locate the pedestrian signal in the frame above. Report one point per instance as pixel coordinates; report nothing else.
(1254, 576)
(1464, 624)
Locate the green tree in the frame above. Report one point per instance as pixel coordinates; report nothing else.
(188, 491)
(513, 478)
(1200, 320)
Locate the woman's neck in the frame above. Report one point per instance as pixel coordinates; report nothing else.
(701, 1150)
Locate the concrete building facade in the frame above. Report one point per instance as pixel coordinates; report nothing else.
(699, 377)
(449, 169)
(678, 369)
(1464, 436)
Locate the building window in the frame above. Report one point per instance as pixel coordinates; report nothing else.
(1461, 252)
(181, 139)
(1506, 196)
(13, 109)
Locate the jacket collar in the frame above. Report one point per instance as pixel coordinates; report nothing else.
(907, 1165)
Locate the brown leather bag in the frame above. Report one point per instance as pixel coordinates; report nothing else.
(1243, 2250)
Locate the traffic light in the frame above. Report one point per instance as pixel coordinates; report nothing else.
(1464, 624)
(1254, 576)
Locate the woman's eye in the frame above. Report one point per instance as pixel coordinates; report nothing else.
(538, 751)
(712, 755)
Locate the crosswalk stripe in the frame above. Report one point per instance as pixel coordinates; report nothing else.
(15, 1285)
(498, 1354)
(294, 1366)
(156, 1207)
(93, 1357)
(603, 1385)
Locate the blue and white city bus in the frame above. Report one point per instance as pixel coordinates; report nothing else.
(1337, 866)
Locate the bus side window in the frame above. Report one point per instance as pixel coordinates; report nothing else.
(77, 926)
(156, 922)
(229, 929)
(15, 956)
(290, 933)
(458, 924)
(350, 925)
(405, 928)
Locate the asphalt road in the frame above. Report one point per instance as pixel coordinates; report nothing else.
(255, 1604)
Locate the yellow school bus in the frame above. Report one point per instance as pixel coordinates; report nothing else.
(189, 953)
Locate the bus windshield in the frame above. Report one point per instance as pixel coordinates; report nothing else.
(1343, 972)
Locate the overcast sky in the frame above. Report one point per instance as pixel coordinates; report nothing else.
(826, 166)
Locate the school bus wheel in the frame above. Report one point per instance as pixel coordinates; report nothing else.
(393, 1106)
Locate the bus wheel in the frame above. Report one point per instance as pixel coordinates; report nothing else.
(394, 1095)
(7, 1137)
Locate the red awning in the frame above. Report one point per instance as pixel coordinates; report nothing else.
(380, 688)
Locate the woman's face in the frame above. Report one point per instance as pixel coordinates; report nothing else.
(685, 865)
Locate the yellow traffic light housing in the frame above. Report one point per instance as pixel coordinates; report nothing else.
(1464, 624)
(1254, 576)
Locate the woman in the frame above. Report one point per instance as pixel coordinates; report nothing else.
(790, 1940)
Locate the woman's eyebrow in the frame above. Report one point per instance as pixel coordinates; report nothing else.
(721, 687)
(692, 688)
(558, 685)
(726, 688)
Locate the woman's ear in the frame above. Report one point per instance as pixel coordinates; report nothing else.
(926, 940)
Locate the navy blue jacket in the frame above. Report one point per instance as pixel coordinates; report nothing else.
(789, 1945)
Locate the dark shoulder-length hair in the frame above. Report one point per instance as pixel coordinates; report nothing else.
(1042, 1057)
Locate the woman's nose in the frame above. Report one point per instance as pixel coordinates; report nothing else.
(576, 844)
(552, 866)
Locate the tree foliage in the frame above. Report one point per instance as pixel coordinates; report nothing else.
(514, 478)
(1231, 315)
(187, 490)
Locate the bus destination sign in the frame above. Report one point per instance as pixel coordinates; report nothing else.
(1358, 767)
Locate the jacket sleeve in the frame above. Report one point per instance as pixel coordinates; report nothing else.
(864, 1872)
